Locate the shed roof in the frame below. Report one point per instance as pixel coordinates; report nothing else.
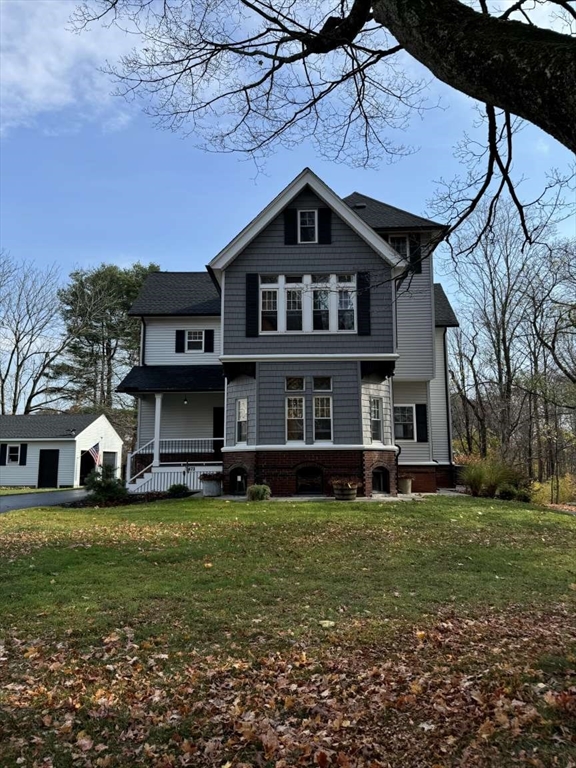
(174, 378)
(60, 426)
(177, 293)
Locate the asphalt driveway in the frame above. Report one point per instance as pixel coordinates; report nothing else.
(51, 499)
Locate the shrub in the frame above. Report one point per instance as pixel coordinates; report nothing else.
(565, 491)
(495, 475)
(215, 476)
(472, 475)
(507, 492)
(178, 490)
(105, 486)
(259, 492)
(523, 494)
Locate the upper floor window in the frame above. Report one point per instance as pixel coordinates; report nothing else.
(308, 303)
(404, 422)
(400, 245)
(195, 341)
(308, 226)
(241, 420)
(13, 455)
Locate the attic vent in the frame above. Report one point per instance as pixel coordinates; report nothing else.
(359, 205)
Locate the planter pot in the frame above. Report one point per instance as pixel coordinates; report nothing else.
(345, 494)
(405, 485)
(211, 488)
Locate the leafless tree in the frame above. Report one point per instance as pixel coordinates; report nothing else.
(31, 334)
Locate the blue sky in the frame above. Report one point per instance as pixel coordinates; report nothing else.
(87, 178)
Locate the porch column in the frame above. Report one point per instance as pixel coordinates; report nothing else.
(157, 418)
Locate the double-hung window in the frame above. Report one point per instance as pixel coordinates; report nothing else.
(400, 245)
(194, 341)
(322, 418)
(295, 430)
(376, 419)
(269, 310)
(13, 454)
(294, 289)
(308, 226)
(241, 420)
(404, 421)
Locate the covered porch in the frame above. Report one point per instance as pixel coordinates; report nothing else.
(180, 424)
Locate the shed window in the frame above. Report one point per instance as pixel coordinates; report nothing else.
(13, 454)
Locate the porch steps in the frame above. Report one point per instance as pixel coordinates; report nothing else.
(162, 477)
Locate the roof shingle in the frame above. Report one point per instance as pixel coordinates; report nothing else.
(45, 426)
(177, 293)
(383, 216)
(443, 312)
(174, 378)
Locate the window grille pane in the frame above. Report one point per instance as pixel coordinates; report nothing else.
(323, 383)
(345, 311)
(293, 310)
(13, 453)
(295, 418)
(346, 278)
(400, 245)
(268, 279)
(322, 407)
(269, 310)
(376, 418)
(322, 418)
(307, 226)
(320, 278)
(321, 311)
(195, 340)
(295, 383)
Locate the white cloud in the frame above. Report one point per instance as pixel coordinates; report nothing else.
(47, 70)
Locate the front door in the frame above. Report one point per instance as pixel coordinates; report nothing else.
(218, 429)
(48, 468)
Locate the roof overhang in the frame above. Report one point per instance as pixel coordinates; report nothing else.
(273, 209)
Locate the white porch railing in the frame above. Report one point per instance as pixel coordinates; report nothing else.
(161, 478)
(177, 453)
(205, 445)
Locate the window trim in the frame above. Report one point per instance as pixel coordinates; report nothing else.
(299, 226)
(380, 420)
(194, 351)
(237, 421)
(9, 447)
(404, 439)
(323, 440)
(303, 440)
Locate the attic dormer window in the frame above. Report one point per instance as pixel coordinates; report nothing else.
(308, 226)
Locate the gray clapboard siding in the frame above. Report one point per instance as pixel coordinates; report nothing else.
(161, 335)
(242, 387)
(406, 393)
(268, 254)
(438, 406)
(346, 415)
(415, 325)
(381, 390)
(178, 421)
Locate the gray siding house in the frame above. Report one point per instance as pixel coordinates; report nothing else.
(313, 347)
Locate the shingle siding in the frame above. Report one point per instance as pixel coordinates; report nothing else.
(372, 389)
(242, 387)
(267, 254)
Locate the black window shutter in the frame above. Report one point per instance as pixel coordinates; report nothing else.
(252, 305)
(415, 254)
(180, 341)
(363, 303)
(290, 226)
(209, 340)
(3, 448)
(325, 226)
(23, 454)
(421, 424)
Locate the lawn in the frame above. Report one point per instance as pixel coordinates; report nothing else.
(212, 633)
(14, 491)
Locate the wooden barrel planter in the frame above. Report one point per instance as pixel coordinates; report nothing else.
(345, 494)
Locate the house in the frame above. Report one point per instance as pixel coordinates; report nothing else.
(314, 346)
(53, 450)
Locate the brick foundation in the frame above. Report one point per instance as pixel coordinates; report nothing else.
(424, 477)
(446, 476)
(278, 468)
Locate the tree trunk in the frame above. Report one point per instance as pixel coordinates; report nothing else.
(520, 68)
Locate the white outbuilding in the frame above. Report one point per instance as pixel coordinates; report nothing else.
(56, 450)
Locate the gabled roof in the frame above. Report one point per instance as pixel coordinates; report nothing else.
(273, 209)
(173, 378)
(443, 313)
(59, 426)
(383, 216)
(177, 293)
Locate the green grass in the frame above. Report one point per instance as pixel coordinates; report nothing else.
(14, 491)
(209, 579)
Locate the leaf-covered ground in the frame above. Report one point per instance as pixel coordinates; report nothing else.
(205, 633)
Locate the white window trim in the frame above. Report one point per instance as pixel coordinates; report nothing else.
(380, 400)
(195, 351)
(404, 439)
(315, 212)
(286, 440)
(237, 421)
(8, 459)
(308, 287)
(323, 442)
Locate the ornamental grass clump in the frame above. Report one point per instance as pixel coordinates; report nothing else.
(258, 492)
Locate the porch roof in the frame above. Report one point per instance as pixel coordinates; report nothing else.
(173, 378)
